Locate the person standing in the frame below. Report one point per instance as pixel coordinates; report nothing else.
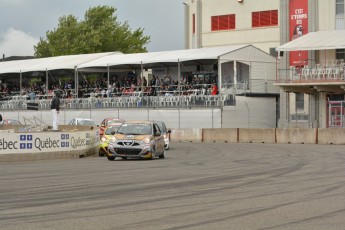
(110, 91)
(55, 107)
(214, 89)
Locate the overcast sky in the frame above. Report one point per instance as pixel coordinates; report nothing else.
(23, 22)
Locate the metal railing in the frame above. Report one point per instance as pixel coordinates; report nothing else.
(180, 101)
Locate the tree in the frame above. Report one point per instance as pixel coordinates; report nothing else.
(99, 32)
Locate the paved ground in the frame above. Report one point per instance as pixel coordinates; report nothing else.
(198, 186)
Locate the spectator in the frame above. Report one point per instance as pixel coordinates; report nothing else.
(32, 95)
(214, 89)
(158, 82)
(109, 90)
(55, 107)
(144, 81)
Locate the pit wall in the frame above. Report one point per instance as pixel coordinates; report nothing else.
(16, 144)
(278, 136)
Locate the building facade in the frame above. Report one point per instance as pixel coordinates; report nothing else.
(232, 22)
(210, 23)
(311, 81)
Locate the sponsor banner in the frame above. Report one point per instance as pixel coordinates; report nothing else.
(37, 142)
(298, 28)
(32, 106)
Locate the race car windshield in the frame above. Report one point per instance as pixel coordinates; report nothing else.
(162, 127)
(86, 122)
(135, 129)
(111, 129)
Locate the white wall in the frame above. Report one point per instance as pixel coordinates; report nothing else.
(326, 13)
(250, 112)
(263, 38)
(261, 112)
(174, 118)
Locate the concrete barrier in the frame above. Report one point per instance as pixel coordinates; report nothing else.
(296, 136)
(82, 141)
(227, 135)
(243, 135)
(186, 135)
(331, 136)
(257, 136)
(48, 155)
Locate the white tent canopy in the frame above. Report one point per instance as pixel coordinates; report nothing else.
(175, 56)
(68, 62)
(130, 60)
(117, 60)
(320, 40)
(50, 63)
(20, 65)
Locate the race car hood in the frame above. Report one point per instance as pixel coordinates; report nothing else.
(119, 136)
(108, 137)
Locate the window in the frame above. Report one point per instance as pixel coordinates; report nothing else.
(223, 22)
(265, 18)
(299, 102)
(340, 54)
(339, 15)
(339, 7)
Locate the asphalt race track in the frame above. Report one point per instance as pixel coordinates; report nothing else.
(198, 186)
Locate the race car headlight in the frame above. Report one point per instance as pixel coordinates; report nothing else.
(146, 140)
(113, 139)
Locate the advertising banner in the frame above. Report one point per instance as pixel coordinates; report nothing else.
(37, 142)
(298, 27)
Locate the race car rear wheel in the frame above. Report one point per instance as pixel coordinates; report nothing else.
(163, 154)
(153, 154)
(111, 158)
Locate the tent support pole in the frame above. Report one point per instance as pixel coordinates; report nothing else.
(141, 76)
(235, 75)
(108, 76)
(178, 76)
(20, 82)
(47, 76)
(76, 77)
(219, 66)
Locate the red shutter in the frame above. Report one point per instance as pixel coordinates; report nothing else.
(255, 19)
(223, 22)
(265, 18)
(232, 22)
(193, 23)
(214, 23)
(274, 17)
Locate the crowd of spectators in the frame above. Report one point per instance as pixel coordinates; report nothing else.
(156, 86)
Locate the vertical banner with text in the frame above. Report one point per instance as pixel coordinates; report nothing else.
(298, 28)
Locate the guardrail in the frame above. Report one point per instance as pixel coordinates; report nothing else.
(127, 102)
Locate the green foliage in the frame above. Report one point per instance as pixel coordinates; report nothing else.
(34, 81)
(100, 31)
(92, 78)
(65, 79)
